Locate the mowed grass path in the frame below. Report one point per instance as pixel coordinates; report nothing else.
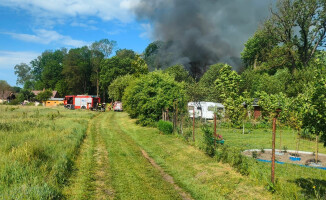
(111, 166)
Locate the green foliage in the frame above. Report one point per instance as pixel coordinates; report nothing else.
(118, 86)
(77, 70)
(227, 83)
(179, 72)
(290, 37)
(207, 84)
(257, 48)
(151, 55)
(112, 68)
(208, 141)
(25, 95)
(165, 127)
(314, 118)
(43, 96)
(138, 66)
(233, 156)
(147, 96)
(125, 53)
(23, 72)
(227, 87)
(49, 152)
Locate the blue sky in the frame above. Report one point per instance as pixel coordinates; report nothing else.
(29, 27)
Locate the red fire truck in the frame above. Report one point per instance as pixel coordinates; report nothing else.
(82, 102)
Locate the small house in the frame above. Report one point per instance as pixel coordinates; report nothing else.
(54, 102)
(7, 96)
(55, 94)
(205, 110)
(257, 108)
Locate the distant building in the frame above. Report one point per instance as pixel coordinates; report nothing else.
(257, 108)
(7, 96)
(54, 102)
(55, 94)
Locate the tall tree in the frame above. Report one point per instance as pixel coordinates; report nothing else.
(297, 28)
(4, 86)
(77, 71)
(100, 50)
(23, 72)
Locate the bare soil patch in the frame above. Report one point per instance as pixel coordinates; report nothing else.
(167, 177)
(306, 157)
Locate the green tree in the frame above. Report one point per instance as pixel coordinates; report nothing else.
(47, 69)
(77, 70)
(125, 53)
(112, 68)
(257, 48)
(207, 83)
(118, 86)
(314, 118)
(290, 37)
(147, 96)
(151, 55)
(100, 50)
(43, 96)
(104, 46)
(138, 66)
(25, 95)
(227, 87)
(23, 72)
(179, 72)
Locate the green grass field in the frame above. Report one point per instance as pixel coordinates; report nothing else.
(71, 154)
(37, 150)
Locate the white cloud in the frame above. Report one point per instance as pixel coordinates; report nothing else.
(43, 36)
(104, 9)
(147, 30)
(8, 59)
(83, 25)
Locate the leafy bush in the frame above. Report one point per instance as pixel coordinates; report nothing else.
(208, 140)
(118, 86)
(147, 96)
(165, 127)
(233, 156)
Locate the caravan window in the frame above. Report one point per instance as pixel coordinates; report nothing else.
(211, 108)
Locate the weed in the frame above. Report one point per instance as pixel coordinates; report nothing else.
(165, 127)
(254, 154)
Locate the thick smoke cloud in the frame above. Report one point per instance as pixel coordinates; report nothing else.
(203, 32)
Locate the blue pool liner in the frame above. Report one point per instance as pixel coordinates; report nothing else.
(268, 161)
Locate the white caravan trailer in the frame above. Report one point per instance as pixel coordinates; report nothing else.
(205, 110)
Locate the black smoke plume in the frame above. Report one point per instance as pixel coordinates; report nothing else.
(199, 33)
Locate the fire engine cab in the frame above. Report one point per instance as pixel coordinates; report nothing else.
(81, 102)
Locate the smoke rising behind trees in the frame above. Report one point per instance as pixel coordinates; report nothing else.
(201, 33)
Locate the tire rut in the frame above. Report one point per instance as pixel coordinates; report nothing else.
(183, 194)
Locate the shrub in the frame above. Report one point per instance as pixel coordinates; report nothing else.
(165, 127)
(147, 96)
(208, 140)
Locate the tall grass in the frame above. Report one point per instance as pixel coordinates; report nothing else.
(37, 150)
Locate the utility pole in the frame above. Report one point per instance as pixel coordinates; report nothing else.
(273, 146)
(193, 123)
(215, 135)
